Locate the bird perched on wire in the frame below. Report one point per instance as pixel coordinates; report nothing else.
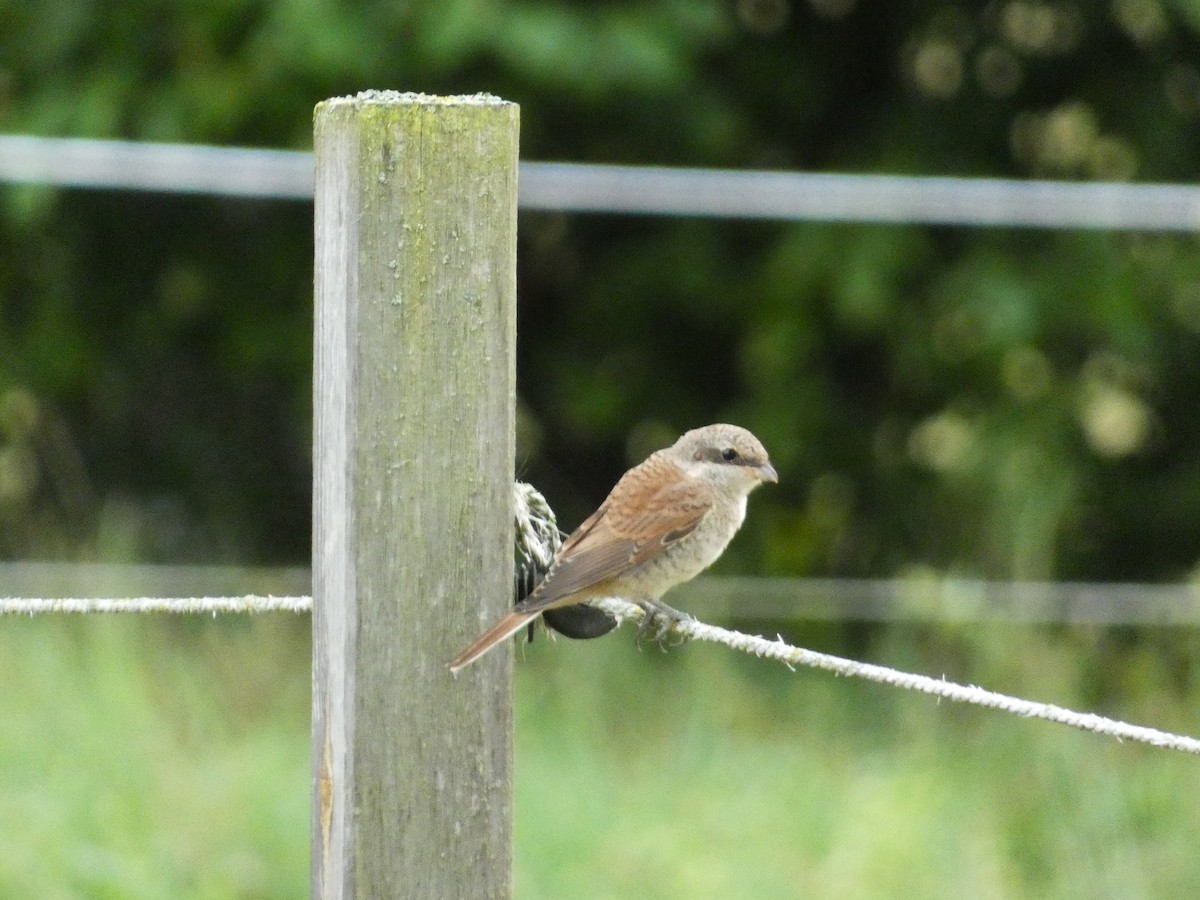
(666, 520)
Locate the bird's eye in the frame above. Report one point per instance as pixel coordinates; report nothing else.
(729, 454)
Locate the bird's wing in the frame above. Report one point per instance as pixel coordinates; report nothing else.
(652, 506)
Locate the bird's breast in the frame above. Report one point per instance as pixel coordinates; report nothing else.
(689, 556)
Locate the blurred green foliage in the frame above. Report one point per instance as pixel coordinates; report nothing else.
(992, 402)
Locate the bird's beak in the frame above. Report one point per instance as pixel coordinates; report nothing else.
(767, 473)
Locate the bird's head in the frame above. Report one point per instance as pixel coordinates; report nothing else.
(729, 456)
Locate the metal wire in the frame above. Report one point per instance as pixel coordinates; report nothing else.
(947, 690)
(640, 190)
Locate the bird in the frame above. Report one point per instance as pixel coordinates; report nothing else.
(666, 520)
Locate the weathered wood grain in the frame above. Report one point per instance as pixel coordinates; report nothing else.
(412, 541)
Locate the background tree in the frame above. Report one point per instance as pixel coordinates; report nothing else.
(1004, 403)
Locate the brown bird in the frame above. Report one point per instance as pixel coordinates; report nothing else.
(666, 520)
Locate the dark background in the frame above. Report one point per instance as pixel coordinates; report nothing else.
(1003, 403)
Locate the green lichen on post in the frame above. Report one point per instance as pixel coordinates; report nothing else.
(416, 285)
(459, 149)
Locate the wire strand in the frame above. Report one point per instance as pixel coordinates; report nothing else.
(792, 656)
(638, 190)
(87, 605)
(778, 650)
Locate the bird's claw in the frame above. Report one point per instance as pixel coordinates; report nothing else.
(659, 623)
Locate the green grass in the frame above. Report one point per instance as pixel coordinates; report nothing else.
(168, 758)
(705, 775)
(153, 758)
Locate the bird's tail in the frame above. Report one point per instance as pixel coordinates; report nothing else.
(509, 625)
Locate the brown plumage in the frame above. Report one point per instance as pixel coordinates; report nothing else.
(666, 520)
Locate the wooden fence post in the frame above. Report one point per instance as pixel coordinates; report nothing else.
(412, 525)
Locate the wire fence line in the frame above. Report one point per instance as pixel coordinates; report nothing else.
(776, 649)
(641, 190)
(911, 600)
(169, 168)
(792, 656)
(536, 538)
(250, 603)
(890, 199)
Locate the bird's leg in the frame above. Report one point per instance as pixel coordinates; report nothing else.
(658, 621)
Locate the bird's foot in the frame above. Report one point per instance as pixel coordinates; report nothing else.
(659, 622)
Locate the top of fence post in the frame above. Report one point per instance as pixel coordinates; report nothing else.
(414, 390)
